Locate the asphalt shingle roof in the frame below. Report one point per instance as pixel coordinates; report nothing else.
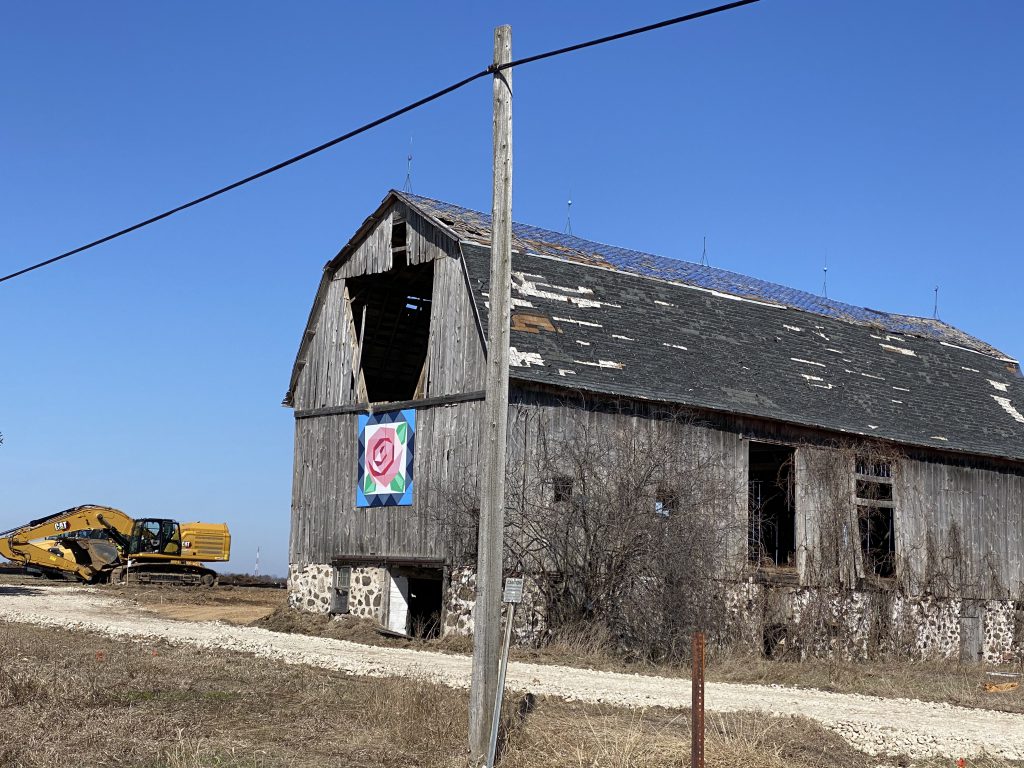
(473, 226)
(595, 318)
(620, 334)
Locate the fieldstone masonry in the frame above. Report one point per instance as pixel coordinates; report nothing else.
(366, 593)
(854, 623)
(814, 621)
(1004, 635)
(530, 625)
(459, 599)
(311, 587)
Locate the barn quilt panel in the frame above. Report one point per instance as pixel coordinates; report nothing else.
(386, 455)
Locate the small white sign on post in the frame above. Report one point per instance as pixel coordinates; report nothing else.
(512, 595)
(513, 591)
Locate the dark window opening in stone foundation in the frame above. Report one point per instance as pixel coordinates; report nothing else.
(876, 516)
(391, 312)
(342, 587)
(771, 495)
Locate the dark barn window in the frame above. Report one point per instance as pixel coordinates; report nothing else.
(396, 329)
(561, 489)
(875, 517)
(772, 534)
(666, 501)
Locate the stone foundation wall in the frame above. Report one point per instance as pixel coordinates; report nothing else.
(311, 587)
(1003, 631)
(790, 620)
(366, 593)
(857, 624)
(530, 626)
(459, 599)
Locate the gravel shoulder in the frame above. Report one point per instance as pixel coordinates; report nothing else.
(873, 725)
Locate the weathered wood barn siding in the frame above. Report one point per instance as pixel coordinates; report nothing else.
(327, 525)
(540, 422)
(328, 398)
(960, 529)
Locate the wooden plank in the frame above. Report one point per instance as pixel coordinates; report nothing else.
(373, 255)
(427, 402)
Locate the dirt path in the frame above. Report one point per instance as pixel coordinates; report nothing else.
(874, 725)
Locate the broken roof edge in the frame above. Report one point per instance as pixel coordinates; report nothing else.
(588, 252)
(928, 448)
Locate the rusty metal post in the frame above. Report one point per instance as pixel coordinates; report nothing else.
(697, 703)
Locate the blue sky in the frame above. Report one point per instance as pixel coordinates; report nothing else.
(147, 374)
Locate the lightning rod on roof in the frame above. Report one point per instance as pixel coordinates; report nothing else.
(824, 279)
(568, 215)
(408, 170)
(935, 311)
(704, 253)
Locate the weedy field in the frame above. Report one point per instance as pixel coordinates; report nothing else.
(73, 698)
(76, 699)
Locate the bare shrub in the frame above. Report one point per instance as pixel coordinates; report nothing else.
(624, 521)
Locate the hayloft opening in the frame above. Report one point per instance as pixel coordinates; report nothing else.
(771, 494)
(391, 312)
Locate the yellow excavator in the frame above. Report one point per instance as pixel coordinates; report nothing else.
(100, 544)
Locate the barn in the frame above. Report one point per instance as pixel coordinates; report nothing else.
(867, 468)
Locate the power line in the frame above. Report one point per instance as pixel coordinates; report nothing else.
(253, 177)
(380, 121)
(628, 33)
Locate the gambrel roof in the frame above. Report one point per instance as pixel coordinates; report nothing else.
(597, 318)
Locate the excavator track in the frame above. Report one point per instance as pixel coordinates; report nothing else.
(157, 574)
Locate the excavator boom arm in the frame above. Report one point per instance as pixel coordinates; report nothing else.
(24, 544)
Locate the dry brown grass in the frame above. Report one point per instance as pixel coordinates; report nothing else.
(588, 647)
(77, 699)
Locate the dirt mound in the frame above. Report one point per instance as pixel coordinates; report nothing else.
(285, 619)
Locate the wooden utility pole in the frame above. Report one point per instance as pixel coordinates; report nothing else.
(487, 611)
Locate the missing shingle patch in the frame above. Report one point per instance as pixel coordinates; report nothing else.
(1007, 406)
(523, 359)
(899, 350)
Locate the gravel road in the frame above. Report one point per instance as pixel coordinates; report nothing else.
(873, 725)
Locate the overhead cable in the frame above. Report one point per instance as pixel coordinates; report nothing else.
(374, 123)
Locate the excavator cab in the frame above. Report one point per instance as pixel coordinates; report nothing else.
(154, 536)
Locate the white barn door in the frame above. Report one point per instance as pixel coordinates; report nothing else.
(398, 604)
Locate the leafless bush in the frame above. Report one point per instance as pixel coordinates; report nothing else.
(623, 522)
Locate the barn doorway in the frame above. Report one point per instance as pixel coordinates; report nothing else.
(772, 493)
(415, 601)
